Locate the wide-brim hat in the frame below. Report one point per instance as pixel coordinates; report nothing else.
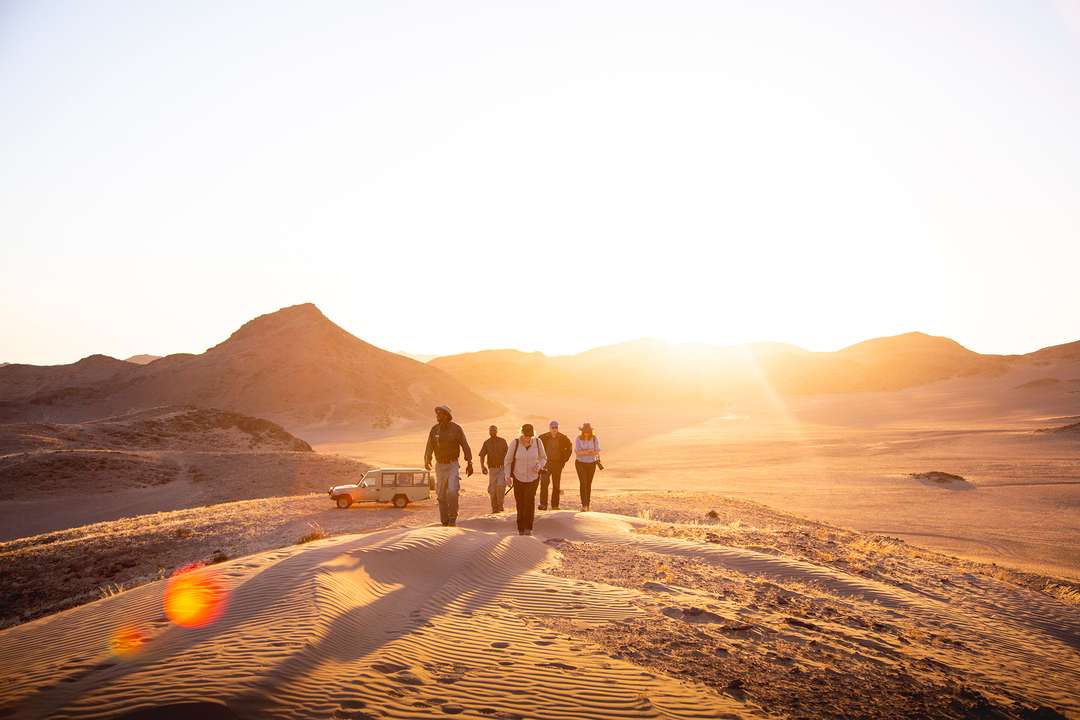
(445, 409)
(585, 426)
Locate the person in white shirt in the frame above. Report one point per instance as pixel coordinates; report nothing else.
(587, 450)
(525, 458)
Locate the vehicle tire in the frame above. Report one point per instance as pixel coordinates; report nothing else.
(344, 501)
(400, 501)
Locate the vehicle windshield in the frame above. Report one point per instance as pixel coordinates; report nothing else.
(369, 479)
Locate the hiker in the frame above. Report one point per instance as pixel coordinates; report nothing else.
(494, 451)
(587, 449)
(446, 440)
(559, 449)
(525, 460)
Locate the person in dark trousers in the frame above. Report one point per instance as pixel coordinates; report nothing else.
(494, 452)
(446, 441)
(559, 449)
(587, 449)
(524, 460)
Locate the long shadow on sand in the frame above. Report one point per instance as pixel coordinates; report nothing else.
(369, 568)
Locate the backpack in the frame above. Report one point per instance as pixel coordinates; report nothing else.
(513, 461)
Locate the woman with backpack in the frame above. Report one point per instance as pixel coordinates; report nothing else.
(526, 461)
(587, 450)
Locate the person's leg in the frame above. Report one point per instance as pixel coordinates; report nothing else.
(580, 467)
(498, 488)
(556, 478)
(544, 493)
(530, 506)
(590, 472)
(453, 488)
(442, 474)
(521, 500)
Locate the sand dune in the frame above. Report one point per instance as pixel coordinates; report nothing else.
(480, 622)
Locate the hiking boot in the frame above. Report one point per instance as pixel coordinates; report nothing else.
(542, 507)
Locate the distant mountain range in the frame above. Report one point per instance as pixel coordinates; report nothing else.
(293, 366)
(297, 368)
(696, 371)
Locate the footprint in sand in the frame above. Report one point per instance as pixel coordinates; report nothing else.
(388, 667)
(500, 644)
(558, 666)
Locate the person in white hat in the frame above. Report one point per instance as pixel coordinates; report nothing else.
(587, 450)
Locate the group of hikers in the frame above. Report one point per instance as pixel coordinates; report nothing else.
(521, 464)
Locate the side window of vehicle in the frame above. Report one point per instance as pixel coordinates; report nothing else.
(408, 479)
(387, 479)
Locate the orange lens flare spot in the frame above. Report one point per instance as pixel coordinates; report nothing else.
(126, 642)
(193, 599)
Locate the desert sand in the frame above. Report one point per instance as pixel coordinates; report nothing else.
(597, 615)
(845, 459)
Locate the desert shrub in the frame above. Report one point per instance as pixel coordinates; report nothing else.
(316, 533)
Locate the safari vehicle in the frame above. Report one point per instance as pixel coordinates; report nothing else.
(399, 486)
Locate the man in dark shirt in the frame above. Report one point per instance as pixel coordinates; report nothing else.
(494, 451)
(559, 449)
(445, 441)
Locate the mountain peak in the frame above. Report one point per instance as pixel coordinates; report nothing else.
(302, 318)
(908, 342)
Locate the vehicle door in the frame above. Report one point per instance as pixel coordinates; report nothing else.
(368, 490)
(387, 488)
(418, 486)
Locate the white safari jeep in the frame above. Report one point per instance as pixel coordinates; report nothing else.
(399, 486)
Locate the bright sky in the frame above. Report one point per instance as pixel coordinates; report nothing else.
(449, 176)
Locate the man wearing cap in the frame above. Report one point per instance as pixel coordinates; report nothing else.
(494, 451)
(558, 449)
(445, 441)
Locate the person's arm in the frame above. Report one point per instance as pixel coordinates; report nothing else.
(541, 455)
(508, 462)
(582, 451)
(567, 450)
(464, 446)
(429, 449)
(483, 454)
(468, 452)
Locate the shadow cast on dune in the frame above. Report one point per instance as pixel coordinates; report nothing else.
(374, 576)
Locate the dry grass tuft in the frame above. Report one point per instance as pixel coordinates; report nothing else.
(317, 533)
(111, 589)
(1068, 594)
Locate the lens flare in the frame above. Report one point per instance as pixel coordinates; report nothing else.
(193, 599)
(126, 642)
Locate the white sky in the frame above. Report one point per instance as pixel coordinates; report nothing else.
(441, 177)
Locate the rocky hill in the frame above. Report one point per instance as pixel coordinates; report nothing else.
(294, 367)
